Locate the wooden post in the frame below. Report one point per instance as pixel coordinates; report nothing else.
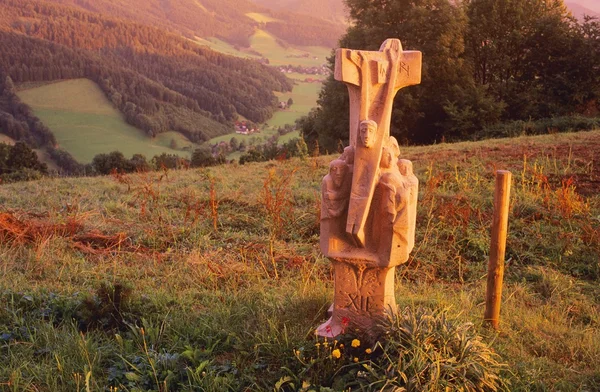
(497, 249)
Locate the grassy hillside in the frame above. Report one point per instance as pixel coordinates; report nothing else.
(331, 10)
(226, 48)
(85, 123)
(270, 47)
(233, 20)
(212, 279)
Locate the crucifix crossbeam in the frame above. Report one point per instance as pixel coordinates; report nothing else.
(373, 79)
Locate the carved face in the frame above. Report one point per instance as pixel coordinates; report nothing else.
(405, 167)
(386, 158)
(367, 133)
(337, 171)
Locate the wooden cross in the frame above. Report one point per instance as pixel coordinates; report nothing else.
(373, 79)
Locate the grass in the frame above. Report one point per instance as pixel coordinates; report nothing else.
(224, 47)
(85, 123)
(280, 53)
(227, 308)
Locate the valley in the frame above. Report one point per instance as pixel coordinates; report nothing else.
(185, 111)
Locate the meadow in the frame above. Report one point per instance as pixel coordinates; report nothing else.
(85, 123)
(212, 280)
(281, 53)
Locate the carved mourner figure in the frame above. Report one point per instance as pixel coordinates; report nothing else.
(369, 197)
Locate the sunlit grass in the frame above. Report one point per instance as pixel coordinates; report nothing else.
(227, 308)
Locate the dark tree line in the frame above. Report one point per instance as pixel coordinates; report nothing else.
(485, 62)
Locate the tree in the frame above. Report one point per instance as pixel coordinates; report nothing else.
(202, 157)
(521, 53)
(4, 151)
(21, 156)
(114, 161)
(139, 163)
(290, 102)
(435, 27)
(234, 143)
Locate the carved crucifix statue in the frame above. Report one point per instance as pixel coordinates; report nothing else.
(368, 212)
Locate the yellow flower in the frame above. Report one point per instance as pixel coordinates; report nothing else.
(317, 344)
(326, 344)
(368, 351)
(356, 343)
(342, 345)
(336, 353)
(355, 359)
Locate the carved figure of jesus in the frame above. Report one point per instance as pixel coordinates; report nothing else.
(369, 197)
(368, 129)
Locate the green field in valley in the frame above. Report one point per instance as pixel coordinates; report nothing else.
(304, 94)
(85, 123)
(270, 47)
(223, 47)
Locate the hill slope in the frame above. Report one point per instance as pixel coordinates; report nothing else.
(215, 289)
(225, 19)
(159, 81)
(332, 10)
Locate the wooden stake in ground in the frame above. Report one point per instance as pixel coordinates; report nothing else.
(497, 249)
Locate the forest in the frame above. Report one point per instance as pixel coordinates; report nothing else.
(490, 68)
(159, 80)
(226, 19)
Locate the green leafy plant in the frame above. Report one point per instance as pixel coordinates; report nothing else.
(421, 350)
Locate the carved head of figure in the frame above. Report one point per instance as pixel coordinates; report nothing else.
(348, 155)
(387, 158)
(337, 171)
(406, 167)
(393, 144)
(367, 130)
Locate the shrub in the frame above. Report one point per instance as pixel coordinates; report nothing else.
(422, 350)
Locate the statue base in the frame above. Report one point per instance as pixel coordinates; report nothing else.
(364, 296)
